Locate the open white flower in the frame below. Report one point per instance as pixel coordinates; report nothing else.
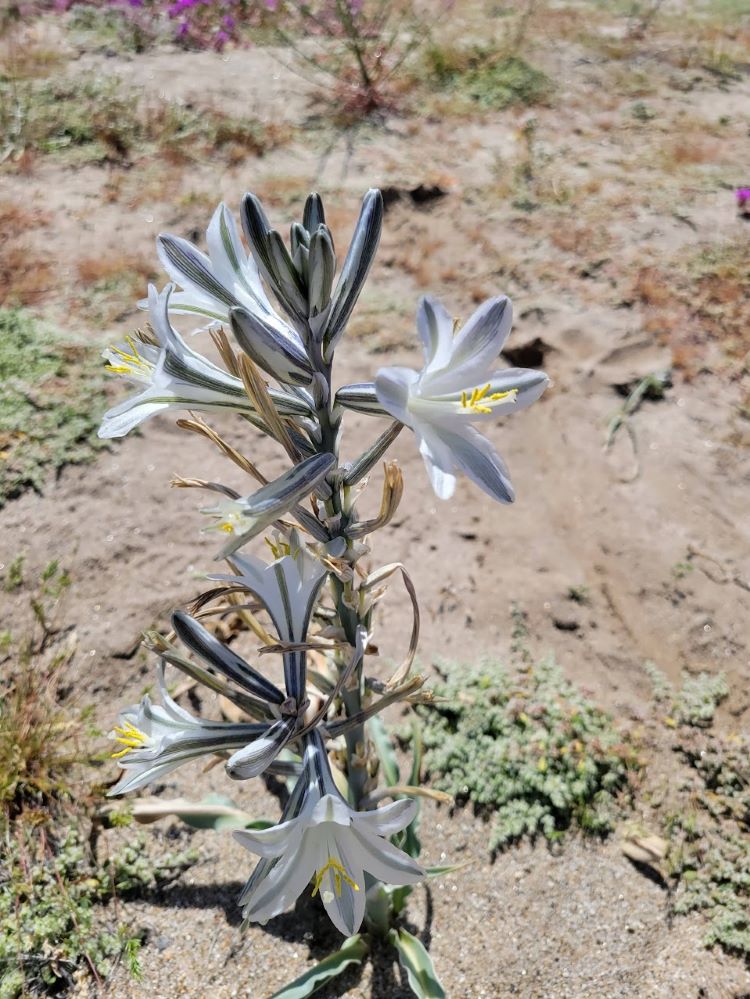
(455, 389)
(174, 377)
(329, 843)
(154, 739)
(225, 287)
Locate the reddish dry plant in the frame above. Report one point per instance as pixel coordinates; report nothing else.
(115, 267)
(27, 276)
(699, 305)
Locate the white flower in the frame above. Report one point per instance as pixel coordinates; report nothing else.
(155, 739)
(329, 843)
(225, 287)
(245, 517)
(288, 588)
(223, 280)
(174, 376)
(456, 388)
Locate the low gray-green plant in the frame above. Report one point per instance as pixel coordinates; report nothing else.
(52, 893)
(695, 701)
(709, 856)
(47, 418)
(527, 749)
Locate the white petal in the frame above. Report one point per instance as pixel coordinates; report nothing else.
(192, 271)
(274, 841)
(475, 349)
(193, 303)
(439, 462)
(224, 247)
(384, 861)
(332, 808)
(134, 778)
(530, 385)
(474, 455)
(435, 328)
(281, 888)
(346, 907)
(392, 387)
(387, 820)
(121, 419)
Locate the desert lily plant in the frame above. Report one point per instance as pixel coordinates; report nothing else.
(311, 597)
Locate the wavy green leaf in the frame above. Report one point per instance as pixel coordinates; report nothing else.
(385, 752)
(351, 952)
(215, 811)
(417, 963)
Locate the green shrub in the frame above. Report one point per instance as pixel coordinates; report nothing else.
(50, 403)
(58, 888)
(528, 750)
(491, 79)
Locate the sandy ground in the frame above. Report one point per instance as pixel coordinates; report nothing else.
(533, 924)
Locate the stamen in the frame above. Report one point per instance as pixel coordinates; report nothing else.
(133, 362)
(339, 874)
(477, 402)
(280, 548)
(130, 737)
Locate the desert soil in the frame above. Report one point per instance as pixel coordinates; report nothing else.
(580, 922)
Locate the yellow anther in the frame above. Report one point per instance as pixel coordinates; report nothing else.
(281, 548)
(477, 401)
(339, 874)
(130, 737)
(226, 527)
(132, 360)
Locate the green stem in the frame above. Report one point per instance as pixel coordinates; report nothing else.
(350, 619)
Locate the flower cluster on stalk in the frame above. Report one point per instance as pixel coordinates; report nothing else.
(313, 729)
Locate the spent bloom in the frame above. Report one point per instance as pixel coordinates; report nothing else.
(326, 842)
(454, 390)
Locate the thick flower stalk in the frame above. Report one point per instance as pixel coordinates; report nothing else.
(312, 593)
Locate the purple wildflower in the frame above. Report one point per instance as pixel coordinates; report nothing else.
(743, 196)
